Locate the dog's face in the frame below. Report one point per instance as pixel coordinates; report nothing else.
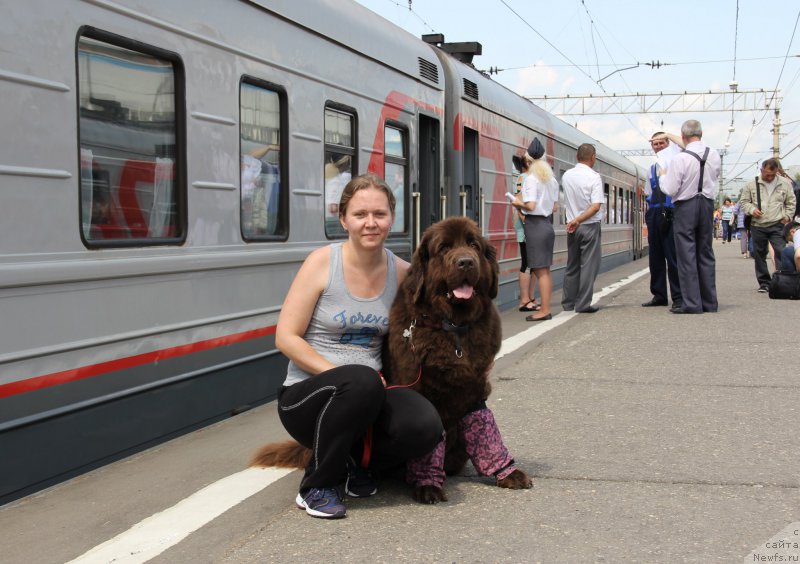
(454, 266)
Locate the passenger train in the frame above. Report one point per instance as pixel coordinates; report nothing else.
(165, 167)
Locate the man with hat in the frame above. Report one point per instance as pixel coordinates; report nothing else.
(660, 240)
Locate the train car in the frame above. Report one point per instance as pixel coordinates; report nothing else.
(165, 167)
(486, 125)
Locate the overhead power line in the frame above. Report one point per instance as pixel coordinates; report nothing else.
(681, 63)
(659, 102)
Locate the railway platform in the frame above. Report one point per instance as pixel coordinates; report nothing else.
(652, 437)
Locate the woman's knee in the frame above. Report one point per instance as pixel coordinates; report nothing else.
(365, 382)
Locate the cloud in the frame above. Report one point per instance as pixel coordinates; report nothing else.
(532, 81)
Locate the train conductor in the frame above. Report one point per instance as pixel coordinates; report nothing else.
(662, 258)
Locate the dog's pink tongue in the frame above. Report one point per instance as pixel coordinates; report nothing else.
(464, 292)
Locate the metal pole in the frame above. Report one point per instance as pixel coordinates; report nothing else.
(776, 130)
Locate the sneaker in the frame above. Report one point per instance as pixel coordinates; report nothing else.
(763, 289)
(359, 481)
(322, 502)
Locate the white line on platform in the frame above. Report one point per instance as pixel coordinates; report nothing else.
(149, 538)
(520, 339)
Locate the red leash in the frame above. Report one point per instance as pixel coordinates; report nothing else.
(412, 384)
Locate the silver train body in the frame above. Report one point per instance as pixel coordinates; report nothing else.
(165, 167)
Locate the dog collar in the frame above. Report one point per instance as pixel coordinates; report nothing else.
(445, 324)
(458, 330)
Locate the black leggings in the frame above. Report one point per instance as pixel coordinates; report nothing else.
(331, 412)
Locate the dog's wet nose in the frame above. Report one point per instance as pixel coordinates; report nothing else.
(465, 263)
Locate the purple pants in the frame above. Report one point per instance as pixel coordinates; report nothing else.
(484, 444)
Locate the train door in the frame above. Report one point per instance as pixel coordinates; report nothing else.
(470, 191)
(428, 193)
(638, 239)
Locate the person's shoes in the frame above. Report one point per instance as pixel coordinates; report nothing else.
(530, 306)
(654, 302)
(359, 481)
(680, 309)
(322, 502)
(590, 309)
(763, 289)
(542, 318)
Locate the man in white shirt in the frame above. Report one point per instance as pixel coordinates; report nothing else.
(583, 198)
(691, 181)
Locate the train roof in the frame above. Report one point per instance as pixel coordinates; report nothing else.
(363, 31)
(501, 100)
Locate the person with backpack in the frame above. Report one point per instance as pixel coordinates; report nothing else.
(770, 200)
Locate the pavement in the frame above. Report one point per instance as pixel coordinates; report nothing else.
(652, 437)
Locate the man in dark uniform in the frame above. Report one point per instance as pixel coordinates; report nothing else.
(663, 262)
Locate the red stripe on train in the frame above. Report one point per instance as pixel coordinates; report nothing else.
(74, 374)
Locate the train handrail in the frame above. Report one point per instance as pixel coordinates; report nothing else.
(415, 196)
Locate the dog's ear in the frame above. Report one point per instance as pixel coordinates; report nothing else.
(494, 279)
(419, 265)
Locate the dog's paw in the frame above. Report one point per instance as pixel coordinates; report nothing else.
(517, 480)
(429, 494)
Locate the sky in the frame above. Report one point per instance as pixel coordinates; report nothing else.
(580, 47)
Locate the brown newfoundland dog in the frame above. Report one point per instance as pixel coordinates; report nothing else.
(444, 332)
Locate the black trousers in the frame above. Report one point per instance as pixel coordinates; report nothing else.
(763, 236)
(331, 412)
(693, 226)
(662, 257)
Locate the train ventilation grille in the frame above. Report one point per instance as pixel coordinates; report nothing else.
(428, 70)
(470, 89)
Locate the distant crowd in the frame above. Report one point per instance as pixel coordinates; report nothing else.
(682, 222)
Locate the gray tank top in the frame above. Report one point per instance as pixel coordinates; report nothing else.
(346, 329)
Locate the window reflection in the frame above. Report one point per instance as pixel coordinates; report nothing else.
(259, 122)
(395, 173)
(127, 130)
(339, 154)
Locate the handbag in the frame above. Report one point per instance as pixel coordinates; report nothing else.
(785, 285)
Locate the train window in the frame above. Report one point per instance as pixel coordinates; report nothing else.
(261, 114)
(128, 129)
(615, 204)
(395, 166)
(608, 202)
(340, 154)
(612, 204)
(626, 201)
(629, 206)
